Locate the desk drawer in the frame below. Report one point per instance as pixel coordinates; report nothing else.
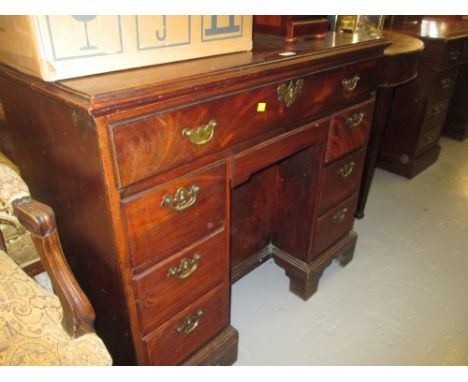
(428, 139)
(444, 82)
(436, 111)
(172, 216)
(153, 143)
(171, 285)
(454, 52)
(350, 130)
(335, 223)
(367, 74)
(341, 179)
(156, 143)
(173, 342)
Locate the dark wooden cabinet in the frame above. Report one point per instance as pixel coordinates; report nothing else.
(399, 67)
(419, 108)
(456, 124)
(170, 182)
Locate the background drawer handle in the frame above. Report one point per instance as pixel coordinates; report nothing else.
(355, 120)
(190, 323)
(182, 199)
(430, 137)
(349, 84)
(446, 83)
(185, 268)
(436, 110)
(288, 93)
(201, 135)
(339, 216)
(454, 55)
(346, 170)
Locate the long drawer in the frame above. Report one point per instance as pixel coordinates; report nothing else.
(341, 179)
(152, 143)
(350, 130)
(171, 285)
(169, 217)
(174, 341)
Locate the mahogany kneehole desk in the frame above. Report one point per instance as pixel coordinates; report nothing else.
(170, 182)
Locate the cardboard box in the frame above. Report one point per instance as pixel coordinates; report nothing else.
(59, 47)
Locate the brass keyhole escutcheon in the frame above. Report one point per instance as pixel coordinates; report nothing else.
(289, 93)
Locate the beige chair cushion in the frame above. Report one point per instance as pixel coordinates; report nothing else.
(30, 325)
(18, 241)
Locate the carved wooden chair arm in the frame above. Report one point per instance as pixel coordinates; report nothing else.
(39, 220)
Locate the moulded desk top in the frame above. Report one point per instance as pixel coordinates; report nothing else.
(268, 53)
(103, 93)
(435, 29)
(401, 43)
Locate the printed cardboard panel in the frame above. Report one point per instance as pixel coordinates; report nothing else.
(59, 47)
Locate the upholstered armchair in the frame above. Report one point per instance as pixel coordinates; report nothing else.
(17, 239)
(36, 326)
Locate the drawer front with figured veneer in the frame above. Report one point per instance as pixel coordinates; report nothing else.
(156, 142)
(335, 224)
(174, 341)
(350, 130)
(171, 285)
(359, 82)
(335, 88)
(169, 217)
(341, 179)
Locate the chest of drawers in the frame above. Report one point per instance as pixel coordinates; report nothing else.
(419, 108)
(400, 66)
(171, 182)
(456, 124)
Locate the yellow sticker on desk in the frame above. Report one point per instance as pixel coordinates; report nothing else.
(261, 107)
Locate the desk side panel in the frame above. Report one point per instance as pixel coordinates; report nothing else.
(55, 145)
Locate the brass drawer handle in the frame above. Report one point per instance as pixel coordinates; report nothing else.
(430, 137)
(201, 135)
(185, 268)
(190, 323)
(436, 110)
(446, 83)
(339, 216)
(182, 199)
(454, 55)
(349, 84)
(288, 93)
(346, 170)
(355, 120)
